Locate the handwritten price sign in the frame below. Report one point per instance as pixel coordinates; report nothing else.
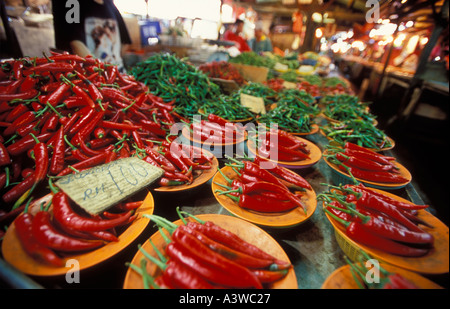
(256, 104)
(103, 186)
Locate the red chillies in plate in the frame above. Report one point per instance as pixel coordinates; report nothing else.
(236, 256)
(262, 204)
(92, 161)
(353, 146)
(64, 214)
(358, 233)
(23, 225)
(362, 163)
(57, 159)
(395, 202)
(185, 258)
(217, 119)
(380, 176)
(231, 240)
(237, 275)
(262, 186)
(373, 202)
(376, 226)
(397, 281)
(47, 235)
(374, 157)
(269, 276)
(180, 277)
(284, 174)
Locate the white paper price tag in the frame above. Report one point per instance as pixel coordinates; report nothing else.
(255, 104)
(289, 85)
(103, 186)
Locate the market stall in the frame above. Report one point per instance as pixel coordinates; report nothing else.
(257, 170)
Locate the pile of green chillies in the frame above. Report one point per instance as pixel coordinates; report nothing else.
(357, 131)
(228, 107)
(290, 76)
(333, 81)
(294, 112)
(347, 107)
(172, 78)
(339, 99)
(254, 59)
(313, 80)
(296, 95)
(258, 90)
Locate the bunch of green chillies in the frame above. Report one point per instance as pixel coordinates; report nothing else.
(172, 78)
(258, 90)
(357, 131)
(228, 107)
(347, 107)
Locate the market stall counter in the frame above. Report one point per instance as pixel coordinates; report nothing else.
(121, 140)
(312, 246)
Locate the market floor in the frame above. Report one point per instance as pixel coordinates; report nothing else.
(422, 145)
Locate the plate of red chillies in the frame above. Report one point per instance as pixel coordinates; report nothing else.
(356, 163)
(292, 152)
(342, 278)
(389, 228)
(210, 251)
(52, 230)
(185, 166)
(214, 130)
(276, 197)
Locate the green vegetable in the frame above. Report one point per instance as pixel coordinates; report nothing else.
(313, 80)
(252, 58)
(172, 78)
(258, 90)
(346, 107)
(357, 131)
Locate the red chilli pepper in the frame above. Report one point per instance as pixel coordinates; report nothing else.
(26, 143)
(285, 174)
(360, 163)
(5, 159)
(90, 162)
(235, 242)
(19, 189)
(57, 160)
(180, 277)
(384, 177)
(64, 214)
(230, 272)
(52, 67)
(356, 232)
(23, 227)
(18, 96)
(236, 256)
(395, 202)
(47, 235)
(373, 202)
(41, 160)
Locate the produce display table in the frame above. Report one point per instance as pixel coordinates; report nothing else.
(311, 246)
